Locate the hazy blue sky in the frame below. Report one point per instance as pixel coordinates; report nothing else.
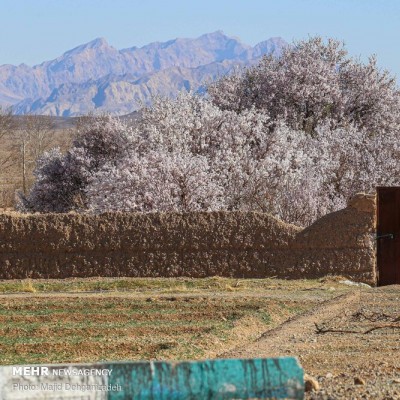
(32, 31)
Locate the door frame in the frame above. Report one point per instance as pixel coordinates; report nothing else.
(385, 236)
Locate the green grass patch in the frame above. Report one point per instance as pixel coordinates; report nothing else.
(162, 285)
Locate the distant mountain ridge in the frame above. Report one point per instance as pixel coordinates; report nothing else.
(96, 77)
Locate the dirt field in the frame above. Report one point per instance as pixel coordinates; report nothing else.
(356, 336)
(128, 319)
(350, 344)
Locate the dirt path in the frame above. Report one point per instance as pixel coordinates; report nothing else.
(337, 358)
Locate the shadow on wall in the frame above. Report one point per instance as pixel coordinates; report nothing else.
(231, 244)
(341, 243)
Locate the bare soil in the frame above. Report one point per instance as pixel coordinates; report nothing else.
(352, 338)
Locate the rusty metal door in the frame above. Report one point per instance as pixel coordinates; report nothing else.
(388, 235)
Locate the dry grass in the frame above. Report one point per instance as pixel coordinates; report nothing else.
(168, 285)
(28, 286)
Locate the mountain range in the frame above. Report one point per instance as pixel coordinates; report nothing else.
(96, 77)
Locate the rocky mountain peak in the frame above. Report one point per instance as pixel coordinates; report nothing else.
(73, 83)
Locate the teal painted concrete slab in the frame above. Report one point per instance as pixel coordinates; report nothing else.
(273, 378)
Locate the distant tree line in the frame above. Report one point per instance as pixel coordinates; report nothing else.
(23, 139)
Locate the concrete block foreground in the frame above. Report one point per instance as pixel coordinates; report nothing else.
(277, 378)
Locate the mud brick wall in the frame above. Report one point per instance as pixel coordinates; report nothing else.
(231, 244)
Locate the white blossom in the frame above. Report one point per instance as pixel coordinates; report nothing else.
(294, 137)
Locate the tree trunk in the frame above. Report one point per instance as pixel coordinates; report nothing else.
(23, 149)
